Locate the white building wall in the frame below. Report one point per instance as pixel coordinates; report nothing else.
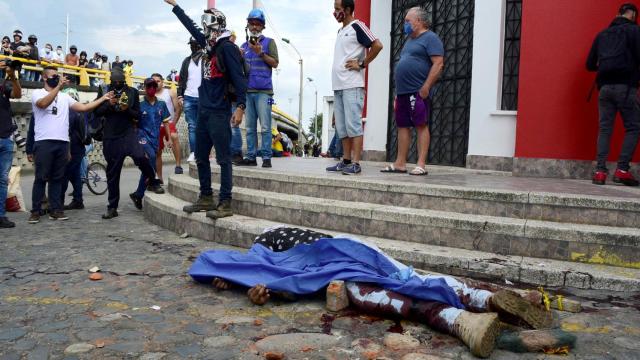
(491, 132)
(375, 134)
(327, 118)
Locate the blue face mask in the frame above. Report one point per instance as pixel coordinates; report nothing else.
(407, 28)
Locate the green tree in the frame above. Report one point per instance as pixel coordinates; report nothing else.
(312, 126)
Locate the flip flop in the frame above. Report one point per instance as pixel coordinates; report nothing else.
(392, 169)
(418, 171)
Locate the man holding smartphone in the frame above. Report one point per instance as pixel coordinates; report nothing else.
(51, 149)
(261, 54)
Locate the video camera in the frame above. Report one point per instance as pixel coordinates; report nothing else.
(20, 141)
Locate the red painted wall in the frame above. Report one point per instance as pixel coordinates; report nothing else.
(363, 13)
(554, 119)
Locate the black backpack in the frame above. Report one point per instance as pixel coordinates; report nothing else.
(230, 91)
(614, 53)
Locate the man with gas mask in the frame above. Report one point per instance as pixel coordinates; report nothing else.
(261, 53)
(120, 116)
(224, 68)
(191, 73)
(51, 133)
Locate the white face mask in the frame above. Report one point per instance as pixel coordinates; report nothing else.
(256, 33)
(59, 52)
(47, 50)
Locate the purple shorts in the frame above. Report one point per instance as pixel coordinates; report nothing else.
(412, 111)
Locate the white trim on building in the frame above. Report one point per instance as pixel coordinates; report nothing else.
(492, 132)
(375, 134)
(327, 118)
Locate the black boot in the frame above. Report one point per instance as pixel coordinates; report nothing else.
(110, 214)
(204, 203)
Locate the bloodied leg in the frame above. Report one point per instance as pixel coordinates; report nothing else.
(477, 331)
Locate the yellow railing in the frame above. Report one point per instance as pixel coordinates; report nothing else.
(84, 74)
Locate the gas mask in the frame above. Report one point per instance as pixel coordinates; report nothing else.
(214, 23)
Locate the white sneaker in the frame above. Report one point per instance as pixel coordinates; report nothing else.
(192, 158)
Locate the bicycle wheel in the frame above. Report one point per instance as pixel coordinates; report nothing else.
(97, 178)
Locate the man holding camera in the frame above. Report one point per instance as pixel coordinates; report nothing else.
(51, 149)
(7, 127)
(120, 115)
(261, 54)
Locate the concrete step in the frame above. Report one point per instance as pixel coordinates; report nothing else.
(615, 246)
(530, 205)
(238, 230)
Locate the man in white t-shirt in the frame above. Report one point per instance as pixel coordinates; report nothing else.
(190, 79)
(350, 59)
(51, 148)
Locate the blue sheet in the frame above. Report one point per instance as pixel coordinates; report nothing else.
(305, 269)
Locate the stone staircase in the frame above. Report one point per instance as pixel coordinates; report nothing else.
(530, 237)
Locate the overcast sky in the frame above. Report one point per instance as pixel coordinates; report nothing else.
(147, 32)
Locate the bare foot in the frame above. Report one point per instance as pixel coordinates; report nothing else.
(221, 284)
(259, 294)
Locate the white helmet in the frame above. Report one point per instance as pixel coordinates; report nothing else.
(214, 22)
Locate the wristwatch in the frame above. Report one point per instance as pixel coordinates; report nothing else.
(361, 64)
(242, 106)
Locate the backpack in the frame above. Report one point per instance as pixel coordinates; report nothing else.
(614, 53)
(230, 91)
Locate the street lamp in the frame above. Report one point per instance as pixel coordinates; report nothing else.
(315, 113)
(301, 140)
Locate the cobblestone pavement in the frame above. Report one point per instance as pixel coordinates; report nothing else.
(147, 307)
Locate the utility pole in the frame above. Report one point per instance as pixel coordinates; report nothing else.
(255, 4)
(301, 139)
(66, 49)
(315, 113)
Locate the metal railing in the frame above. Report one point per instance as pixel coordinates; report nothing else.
(84, 74)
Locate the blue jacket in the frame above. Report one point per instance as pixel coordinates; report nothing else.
(212, 91)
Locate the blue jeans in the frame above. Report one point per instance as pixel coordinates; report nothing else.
(214, 130)
(73, 176)
(150, 151)
(84, 165)
(191, 115)
(6, 158)
(236, 141)
(335, 148)
(258, 107)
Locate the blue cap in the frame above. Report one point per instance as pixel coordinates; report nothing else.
(257, 14)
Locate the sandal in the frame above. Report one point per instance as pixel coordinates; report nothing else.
(391, 169)
(418, 171)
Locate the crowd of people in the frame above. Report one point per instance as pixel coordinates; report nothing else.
(32, 51)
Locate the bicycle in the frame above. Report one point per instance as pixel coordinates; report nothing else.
(96, 178)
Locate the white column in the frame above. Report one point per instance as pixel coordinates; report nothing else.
(327, 115)
(492, 132)
(375, 133)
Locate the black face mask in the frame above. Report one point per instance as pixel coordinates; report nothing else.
(118, 85)
(53, 81)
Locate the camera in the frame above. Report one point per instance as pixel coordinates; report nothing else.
(20, 141)
(253, 40)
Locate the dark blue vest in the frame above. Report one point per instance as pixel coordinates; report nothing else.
(259, 71)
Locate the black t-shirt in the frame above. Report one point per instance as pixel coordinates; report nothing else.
(6, 123)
